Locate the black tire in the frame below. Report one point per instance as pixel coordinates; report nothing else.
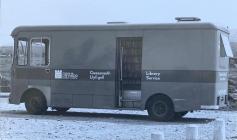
(179, 115)
(160, 108)
(61, 109)
(36, 104)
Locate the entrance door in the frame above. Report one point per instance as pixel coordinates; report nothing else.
(129, 65)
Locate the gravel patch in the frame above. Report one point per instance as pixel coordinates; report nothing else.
(94, 124)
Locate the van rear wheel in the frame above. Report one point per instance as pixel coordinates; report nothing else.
(36, 104)
(161, 108)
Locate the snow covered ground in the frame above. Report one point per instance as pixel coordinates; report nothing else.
(94, 124)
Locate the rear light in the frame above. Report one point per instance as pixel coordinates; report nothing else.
(226, 99)
(218, 100)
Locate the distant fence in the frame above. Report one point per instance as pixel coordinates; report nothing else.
(4, 84)
(5, 65)
(5, 89)
(5, 81)
(4, 94)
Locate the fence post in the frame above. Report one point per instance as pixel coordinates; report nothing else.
(219, 130)
(192, 132)
(157, 136)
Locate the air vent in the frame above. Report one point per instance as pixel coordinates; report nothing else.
(187, 19)
(117, 22)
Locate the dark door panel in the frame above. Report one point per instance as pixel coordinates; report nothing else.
(129, 75)
(33, 73)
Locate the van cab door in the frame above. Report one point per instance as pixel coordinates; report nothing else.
(19, 79)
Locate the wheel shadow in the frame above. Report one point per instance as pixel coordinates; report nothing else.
(136, 117)
(103, 117)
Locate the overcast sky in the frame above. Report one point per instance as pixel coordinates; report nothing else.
(66, 12)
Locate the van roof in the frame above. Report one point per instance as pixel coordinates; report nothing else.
(180, 25)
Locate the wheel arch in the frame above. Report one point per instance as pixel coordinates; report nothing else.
(44, 90)
(31, 91)
(157, 95)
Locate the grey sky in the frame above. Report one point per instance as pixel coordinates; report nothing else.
(61, 12)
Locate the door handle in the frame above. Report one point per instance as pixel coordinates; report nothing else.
(13, 72)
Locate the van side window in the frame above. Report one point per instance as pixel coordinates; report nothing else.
(22, 46)
(39, 52)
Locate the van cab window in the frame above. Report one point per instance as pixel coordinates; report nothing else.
(22, 46)
(39, 52)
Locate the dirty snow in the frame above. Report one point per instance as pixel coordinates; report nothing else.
(93, 124)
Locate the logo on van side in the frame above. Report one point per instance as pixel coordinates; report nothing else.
(223, 76)
(99, 75)
(60, 74)
(152, 75)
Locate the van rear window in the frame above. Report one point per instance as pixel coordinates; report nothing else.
(225, 48)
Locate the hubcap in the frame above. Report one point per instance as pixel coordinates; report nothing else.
(34, 103)
(160, 108)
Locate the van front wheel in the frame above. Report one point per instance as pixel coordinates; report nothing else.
(36, 104)
(161, 108)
